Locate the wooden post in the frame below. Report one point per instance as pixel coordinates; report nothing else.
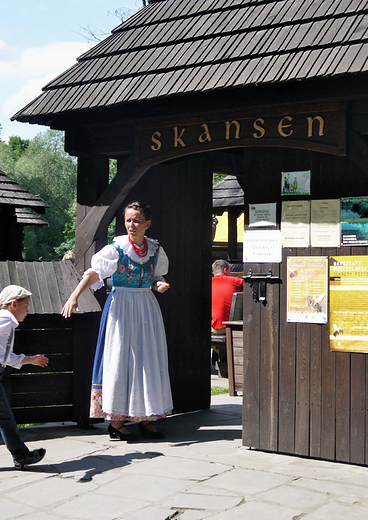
(93, 178)
(232, 233)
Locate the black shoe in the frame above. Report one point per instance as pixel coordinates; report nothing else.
(33, 457)
(143, 430)
(115, 433)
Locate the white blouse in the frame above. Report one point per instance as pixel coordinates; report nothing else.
(7, 322)
(105, 262)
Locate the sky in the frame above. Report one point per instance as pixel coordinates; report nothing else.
(39, 39)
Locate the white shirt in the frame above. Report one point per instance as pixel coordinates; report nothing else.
(7, 323)
(105, 262)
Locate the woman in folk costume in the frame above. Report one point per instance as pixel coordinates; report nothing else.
(130, 379)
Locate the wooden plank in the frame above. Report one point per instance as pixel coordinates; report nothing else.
(328, 432)
(269, 363)
(60, 382)
(47, 341)
(302, 382)
(365, 433)
(84, 342)
(316, 389)
(286, 369)
(302, 389)
(342, 374)
(43, 415)
(358, 406)
(251, 367)
(230, 360)
(42, 398)
(58, 362)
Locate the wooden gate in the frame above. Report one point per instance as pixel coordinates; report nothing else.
(299, 396)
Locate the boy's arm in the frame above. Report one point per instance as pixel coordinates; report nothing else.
(38, 359)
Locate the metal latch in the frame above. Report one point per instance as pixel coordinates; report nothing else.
(258, 283)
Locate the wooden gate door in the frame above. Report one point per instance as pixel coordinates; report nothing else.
(299, 397)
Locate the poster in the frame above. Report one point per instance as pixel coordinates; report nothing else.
(295, 183)
(295, 223)
(262, 215)
(262, 246)
(354, 221)
(307, 284)
(325, 223)
(349, 303)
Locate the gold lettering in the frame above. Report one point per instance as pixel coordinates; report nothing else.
(320, 127)
(206, 134)
(237, 129)
(282, 125)
(260, 129)
(178, 138)
(156, 139)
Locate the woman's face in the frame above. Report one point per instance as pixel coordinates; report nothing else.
(136, 225)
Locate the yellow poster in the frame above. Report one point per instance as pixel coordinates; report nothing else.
(307, 285)
(349, 303)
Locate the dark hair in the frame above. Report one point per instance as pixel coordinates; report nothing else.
(143, 207)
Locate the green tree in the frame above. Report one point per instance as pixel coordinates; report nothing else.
(45, 169)
(7, 161)
(18, 145)
(217, 177)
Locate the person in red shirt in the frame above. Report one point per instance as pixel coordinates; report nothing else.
(223, 287)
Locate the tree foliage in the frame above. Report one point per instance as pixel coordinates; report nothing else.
(217, 177)
(45, 169)
(18, 145)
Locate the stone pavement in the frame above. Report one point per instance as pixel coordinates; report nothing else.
(200, 471)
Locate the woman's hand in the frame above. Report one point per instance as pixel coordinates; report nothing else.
(87, 281)
(161, 287)
(71, 304)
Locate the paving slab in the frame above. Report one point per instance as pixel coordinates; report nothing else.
(199, 471)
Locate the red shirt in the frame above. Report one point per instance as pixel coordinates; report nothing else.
(223, 288)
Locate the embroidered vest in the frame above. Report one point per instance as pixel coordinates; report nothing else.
(131, 274)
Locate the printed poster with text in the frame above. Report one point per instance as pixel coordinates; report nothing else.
(307, 284)
(349, 303)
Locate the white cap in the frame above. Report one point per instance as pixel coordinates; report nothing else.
(13, 292)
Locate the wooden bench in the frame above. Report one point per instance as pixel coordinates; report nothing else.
(234, 349)
(218, 341)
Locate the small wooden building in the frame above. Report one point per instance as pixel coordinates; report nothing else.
(14, 215)
(251, 88)
(61, 391)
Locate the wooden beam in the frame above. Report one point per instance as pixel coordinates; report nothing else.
(99, 217)
(357, 149)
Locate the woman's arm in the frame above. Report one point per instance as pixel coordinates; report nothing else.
(158, 283)
(89, 279)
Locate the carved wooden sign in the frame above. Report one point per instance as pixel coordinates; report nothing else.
(319, 128)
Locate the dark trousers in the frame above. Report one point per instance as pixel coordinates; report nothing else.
(9, 429)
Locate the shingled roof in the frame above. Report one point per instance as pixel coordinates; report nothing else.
(227, 193)
(176, 47)
(51, 284)
(26, 217)
(14, 194)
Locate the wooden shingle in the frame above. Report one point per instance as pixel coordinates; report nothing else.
(14, 194)
(176, 47)
(51, 284)
(26, 217)
(228, 193)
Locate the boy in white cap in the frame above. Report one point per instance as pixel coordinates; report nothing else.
(14, 301)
